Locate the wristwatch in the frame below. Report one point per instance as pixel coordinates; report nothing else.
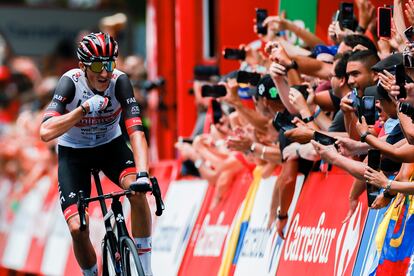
(364, 136)
(308, 119)
(142, 174)
(292, 65)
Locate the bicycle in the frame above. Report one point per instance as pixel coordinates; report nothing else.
(119, 253)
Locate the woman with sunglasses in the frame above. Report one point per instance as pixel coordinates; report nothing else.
(84, 115)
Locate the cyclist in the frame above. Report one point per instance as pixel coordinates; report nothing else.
(84, 114)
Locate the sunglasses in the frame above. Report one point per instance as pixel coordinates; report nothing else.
(99, 66)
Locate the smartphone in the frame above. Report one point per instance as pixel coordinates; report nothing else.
(324, 139)
(205, 72)
(409, 33)
(248, 77)
(368, 109)
(374, 161)
(282, 122)
(261, 15)
(215, 91)
(335, 17)
(303, 89)
(384, 17)
(399, 72)
(346, 15)
(185, 140)
(217, 111)
(355, 99)
(237, 54)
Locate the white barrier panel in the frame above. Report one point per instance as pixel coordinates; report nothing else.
(182, 205)
(24, 226)
(261, 247)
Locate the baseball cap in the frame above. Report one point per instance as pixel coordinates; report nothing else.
(267, 88)
(388, 63)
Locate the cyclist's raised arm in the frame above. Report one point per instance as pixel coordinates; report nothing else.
(133, 123)
(55, 121)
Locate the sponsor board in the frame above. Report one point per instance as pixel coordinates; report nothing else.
(208, 240)
(318, 243)
(183, 202)
(261, 246)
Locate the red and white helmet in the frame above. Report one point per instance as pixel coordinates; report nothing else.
(97, 47)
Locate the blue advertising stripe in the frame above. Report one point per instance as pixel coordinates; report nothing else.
(367, 251)
(243, 229)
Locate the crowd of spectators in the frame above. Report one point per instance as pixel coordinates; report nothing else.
(316, 105)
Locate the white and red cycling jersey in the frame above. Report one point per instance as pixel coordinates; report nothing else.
(100, 127)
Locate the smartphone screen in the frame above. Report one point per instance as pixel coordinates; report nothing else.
(399, 72)
(346, 15)
(261, 15)
(368, 109)
(215, 91)
(409, 33)
(217, 111)
(323, 139)
(248, 77)
(237, 54)
(282, 122)
(374, 161)
(384, 22)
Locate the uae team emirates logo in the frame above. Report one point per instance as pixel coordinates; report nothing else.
(313, 244)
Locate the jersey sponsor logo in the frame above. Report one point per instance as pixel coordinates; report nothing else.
(119, 218)
(131, 100)
(88, 121)
(52, 105)
(133, 122)
(75, 77)
(135, 110)
(72, 195)
(60, 98)
(129, 162)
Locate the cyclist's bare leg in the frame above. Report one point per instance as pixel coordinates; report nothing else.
(140, 224)
(82, 246)
(140, 211)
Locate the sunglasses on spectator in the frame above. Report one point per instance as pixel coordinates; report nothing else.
(99, 66)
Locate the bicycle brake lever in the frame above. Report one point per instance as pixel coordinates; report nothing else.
(156, 192)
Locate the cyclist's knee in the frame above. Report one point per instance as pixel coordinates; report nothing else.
(75, 232)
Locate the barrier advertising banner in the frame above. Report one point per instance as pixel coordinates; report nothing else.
(211, 232)
(261, 246)
(368, 255)
(183, 202)
(318, 243)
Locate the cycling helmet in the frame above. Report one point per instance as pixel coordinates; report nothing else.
(97, 47)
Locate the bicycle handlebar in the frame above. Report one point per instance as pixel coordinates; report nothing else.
(156, 192)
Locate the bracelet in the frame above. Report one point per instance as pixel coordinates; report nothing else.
(317, 112)
(263, 152)
(388, 187)
(252, 147)
(84, 111)
(364, 136)
(292, 65)
(281, 217)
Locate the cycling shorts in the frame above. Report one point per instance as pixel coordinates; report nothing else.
(114, 159)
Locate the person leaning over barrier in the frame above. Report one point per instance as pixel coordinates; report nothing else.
(84, 114)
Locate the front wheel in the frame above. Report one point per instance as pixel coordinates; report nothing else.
(111, 260)
(131, 265)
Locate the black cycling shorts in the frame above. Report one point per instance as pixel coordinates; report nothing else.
(114, 159)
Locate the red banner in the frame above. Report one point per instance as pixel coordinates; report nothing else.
(204, 253)
(318, 243)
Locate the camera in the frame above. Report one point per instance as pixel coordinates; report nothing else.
(261, 15)
(346, 16)
(148, 85)
(407, 109)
